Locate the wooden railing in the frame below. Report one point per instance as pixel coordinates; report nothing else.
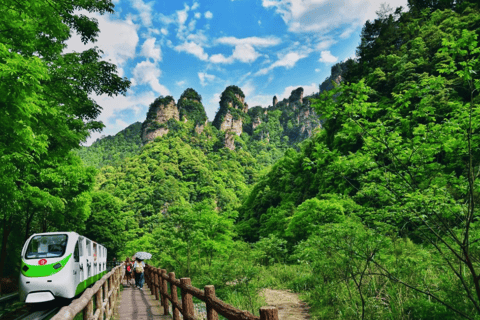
(106, 292)
(158, 280)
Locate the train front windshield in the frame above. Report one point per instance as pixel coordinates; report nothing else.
(46, 246)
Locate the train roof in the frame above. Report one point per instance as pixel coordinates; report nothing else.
(69, 233)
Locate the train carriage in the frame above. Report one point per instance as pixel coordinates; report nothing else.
(59, 264)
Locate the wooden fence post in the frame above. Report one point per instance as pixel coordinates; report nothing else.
(150, 280)
(187, 302)
(98, 297)
(210, 293)
(105, 297)
(164, 292)
(145, 276)
(173, 292)
(109, 301)
(105, 293)
(117, 288)
(156, 284)
(268, 313)
(88, 311)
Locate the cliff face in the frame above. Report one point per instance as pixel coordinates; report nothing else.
(290, 120)
(231, 115)
(160, 111)
(294, 119)
(190, 108)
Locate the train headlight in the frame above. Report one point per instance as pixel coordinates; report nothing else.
(58, 265)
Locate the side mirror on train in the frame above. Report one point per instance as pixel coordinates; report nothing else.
(80, 266)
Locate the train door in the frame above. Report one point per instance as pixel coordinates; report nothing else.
(95, 258)
(89, 258)
(82, 260)
(76, 265)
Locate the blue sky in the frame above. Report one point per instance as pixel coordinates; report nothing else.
(266, 47)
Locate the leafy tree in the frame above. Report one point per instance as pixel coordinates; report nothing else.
(106, 223)
(45, 107)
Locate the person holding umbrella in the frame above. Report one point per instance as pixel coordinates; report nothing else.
(139, 267)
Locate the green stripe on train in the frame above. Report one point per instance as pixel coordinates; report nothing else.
(84, 284)
(34, 271)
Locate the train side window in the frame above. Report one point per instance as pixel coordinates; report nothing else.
(76, 253)
(89, 248)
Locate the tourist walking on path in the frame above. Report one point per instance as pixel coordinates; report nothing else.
(139, 267)
(128, 270)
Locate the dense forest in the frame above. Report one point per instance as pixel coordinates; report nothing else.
(363, 198)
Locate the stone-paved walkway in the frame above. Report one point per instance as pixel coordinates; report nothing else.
(139, 305)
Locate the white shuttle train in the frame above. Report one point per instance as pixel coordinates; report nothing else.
(59, 264)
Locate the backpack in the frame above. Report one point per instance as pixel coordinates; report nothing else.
(139, 268)
(129, 268)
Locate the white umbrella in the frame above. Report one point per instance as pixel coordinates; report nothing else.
(143, 255)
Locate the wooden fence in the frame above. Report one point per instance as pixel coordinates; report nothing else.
(158, 280)
(106, 292)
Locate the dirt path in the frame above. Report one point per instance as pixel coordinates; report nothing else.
(290, 307)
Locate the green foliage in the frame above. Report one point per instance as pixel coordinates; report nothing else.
(190, 107)
(106, 222)
(399, 146)
(230, 102)
(112, 151)
(46, 110)
(295, 94)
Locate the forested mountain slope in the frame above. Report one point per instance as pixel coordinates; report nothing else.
(384, 199)
(111, 150)
(187, 161)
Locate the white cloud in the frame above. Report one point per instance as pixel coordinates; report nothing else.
(191, 25)
(248, 89)
(220, 58)
(244, 50)
(180, 83)
(287, 61)
(144, 10)
(215, 100)
(164, 31)
(307, 90)
(325, 44)
(112, 107)
(117, 39)
(262, 100)
(182, 16)
(208, 15)
(205, 78)
(192, 48)
(254, 99)
(150, 50)
(324, 15)
(121, 124)
(254, 41)
(147, 72)
(347, 33)
(197, 15)
(327, 57)
(195, 6)
(243, 53)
